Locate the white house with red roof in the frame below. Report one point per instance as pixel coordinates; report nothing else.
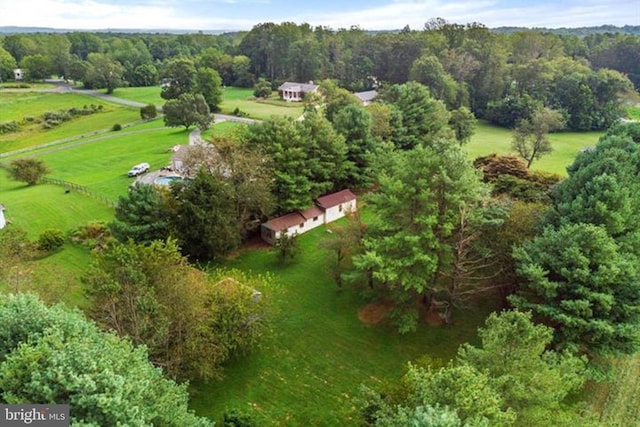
(327, 209)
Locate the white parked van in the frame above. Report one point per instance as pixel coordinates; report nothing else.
(139, 169)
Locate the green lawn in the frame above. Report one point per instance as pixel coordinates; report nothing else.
(224, 129)
(36, 208)
(566, 145)
(102, 164)
(309, 370)
(32, 86)
(15, 106)
(242, 98)
(232, 98)
(145, 95)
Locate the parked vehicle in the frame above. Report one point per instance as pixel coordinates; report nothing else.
(138, 169)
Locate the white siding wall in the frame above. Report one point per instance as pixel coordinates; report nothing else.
(3, 222)
(337, 212)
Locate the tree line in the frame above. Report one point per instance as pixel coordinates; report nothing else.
(503, 77)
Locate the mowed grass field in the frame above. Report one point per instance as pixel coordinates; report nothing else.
(232, 98)
(309, 369)
(17, 105)
(566, 145)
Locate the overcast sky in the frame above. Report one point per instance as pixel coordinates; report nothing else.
(367, 14)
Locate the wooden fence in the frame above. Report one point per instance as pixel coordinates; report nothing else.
(79, 188)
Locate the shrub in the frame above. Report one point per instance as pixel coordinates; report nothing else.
(8, 127)
(237, 418)
(262, 89)
(239, 113)
(92, 235)
(148, 112)
(116, 127)
(50, 240)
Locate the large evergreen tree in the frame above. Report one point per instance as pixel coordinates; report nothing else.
(577, 279)
(417, 208)
(54, 355)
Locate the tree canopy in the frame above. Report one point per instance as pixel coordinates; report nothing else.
(55, 355)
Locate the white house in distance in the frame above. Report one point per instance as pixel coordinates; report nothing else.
(18, 74)
(3, 221)
(366, 97)
(292, 91)
(327, 209)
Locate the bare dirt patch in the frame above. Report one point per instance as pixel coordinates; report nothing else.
(375, 313)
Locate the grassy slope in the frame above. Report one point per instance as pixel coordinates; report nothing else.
(618, 401)
(309, 370)
(145, 95)
(39, 207)
(15, 106)
(243, 99)
(493, 139)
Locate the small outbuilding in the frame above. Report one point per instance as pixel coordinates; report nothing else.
(326, 209)
(336, 205)
(18, 74)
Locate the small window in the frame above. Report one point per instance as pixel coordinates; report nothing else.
(302, 225)
(315, 218)
(340, 208)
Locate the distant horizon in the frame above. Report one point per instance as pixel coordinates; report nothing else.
(217, 31)
(370, 15)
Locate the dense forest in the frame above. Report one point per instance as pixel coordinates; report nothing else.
(502, 77)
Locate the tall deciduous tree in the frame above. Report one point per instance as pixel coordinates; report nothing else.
(187, 110)
(7, 64)
(576, 279)
(463, 122)
(179, 78)
(530, 138)
(27, 170)
(189, 323)
(37, 67)
(103, 73)
(209, 84)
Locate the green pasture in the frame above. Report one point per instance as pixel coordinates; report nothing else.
(243, 99)
(566, 145)
(146, 95)
(39, 207)
(31, 86)
(232, 98)
(311, 366)
(618, 400)
(224, 129)
(15, 106)
(102, 164)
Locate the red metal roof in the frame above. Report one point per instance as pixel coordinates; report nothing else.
(313, 211)
(334, 199)
(285, 221)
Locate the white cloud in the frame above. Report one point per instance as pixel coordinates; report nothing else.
(186, 14)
